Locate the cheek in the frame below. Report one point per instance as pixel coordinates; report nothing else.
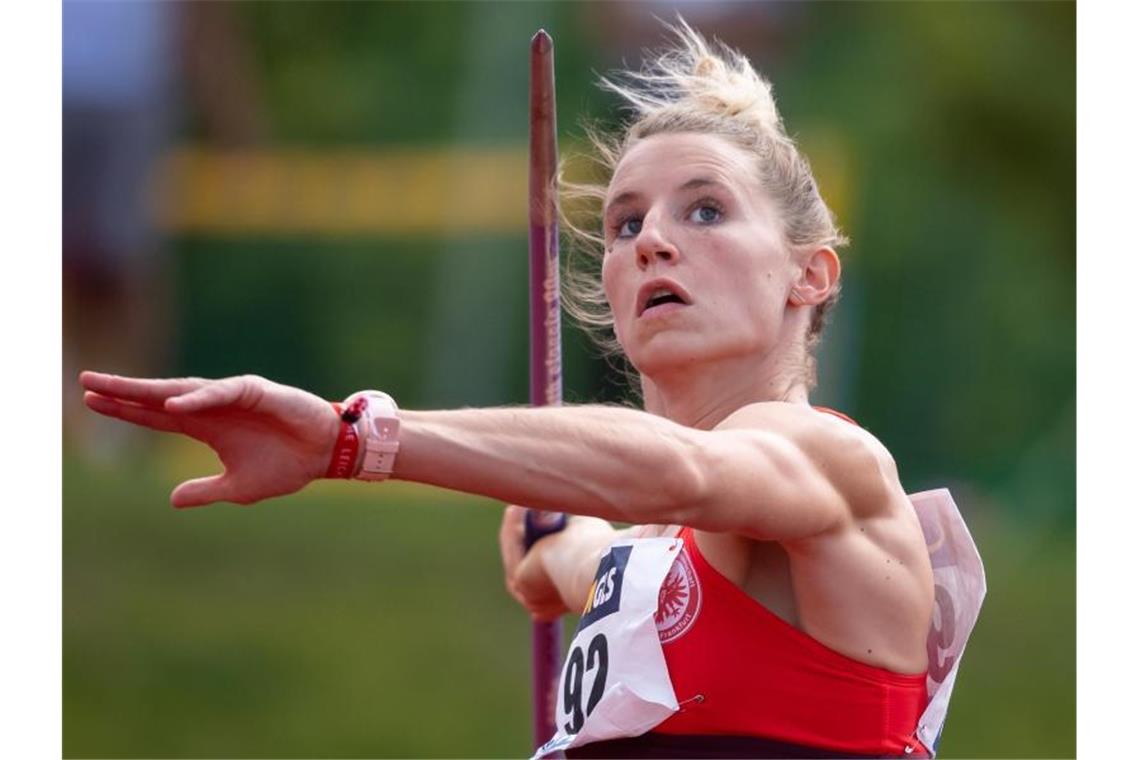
(754, 298)
(612, 283)
(611, 287)
(769, 294)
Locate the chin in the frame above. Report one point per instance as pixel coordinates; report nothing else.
(669, 351)
(665, 352)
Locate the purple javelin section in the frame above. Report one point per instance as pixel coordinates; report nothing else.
(545, 342)
(546, 656)
(545, 317)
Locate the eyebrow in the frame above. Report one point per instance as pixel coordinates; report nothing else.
(692, 184)
(700, 182)
(626, 197)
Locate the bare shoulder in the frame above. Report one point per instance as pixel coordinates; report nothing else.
(855, 463)
(862, 585)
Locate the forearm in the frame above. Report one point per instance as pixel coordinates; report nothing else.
(609, 462)
(571, 558)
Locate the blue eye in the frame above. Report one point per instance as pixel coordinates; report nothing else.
(630, 227)
(705, 214)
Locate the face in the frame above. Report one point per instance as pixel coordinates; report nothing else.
(695, 268)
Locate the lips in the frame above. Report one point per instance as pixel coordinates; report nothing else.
(659, 292)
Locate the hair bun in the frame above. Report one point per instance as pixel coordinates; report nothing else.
(706, 66)
(696, 75)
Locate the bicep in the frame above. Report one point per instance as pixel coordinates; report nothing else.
(775, 484)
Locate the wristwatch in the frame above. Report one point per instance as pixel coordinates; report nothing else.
(379, 428)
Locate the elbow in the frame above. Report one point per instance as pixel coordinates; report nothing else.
(686, 483)
(668, 486)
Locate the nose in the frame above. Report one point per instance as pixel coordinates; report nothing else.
(653, 245)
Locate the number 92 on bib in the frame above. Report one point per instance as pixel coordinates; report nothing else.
(614, 682)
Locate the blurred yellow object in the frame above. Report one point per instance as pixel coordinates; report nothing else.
(410, 191)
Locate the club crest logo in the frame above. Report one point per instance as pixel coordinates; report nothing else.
(678, 601)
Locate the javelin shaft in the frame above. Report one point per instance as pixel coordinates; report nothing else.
(545, 312)
(545, 342)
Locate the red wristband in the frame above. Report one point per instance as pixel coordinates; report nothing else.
(346, 450)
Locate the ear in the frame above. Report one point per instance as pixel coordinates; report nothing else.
(818, 278)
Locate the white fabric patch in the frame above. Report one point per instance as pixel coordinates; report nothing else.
(959, 587)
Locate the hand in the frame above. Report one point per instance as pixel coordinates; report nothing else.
(527, 579)
(272, 439)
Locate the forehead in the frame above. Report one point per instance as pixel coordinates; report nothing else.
(668, 160)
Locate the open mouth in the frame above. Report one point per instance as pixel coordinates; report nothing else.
(663, 298)
(658, 294)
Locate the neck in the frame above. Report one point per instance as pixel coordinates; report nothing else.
(702, 396)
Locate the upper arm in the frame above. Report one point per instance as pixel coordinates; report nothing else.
(781, 472)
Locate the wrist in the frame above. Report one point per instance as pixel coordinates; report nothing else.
(345, 457)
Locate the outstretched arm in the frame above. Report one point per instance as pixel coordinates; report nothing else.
(273, 439)
(604, 461)
(769, 471)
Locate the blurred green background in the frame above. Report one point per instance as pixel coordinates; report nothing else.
(338, 202)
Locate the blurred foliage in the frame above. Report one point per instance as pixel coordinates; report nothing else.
(344, 621)
(962, 119)
(348, 72)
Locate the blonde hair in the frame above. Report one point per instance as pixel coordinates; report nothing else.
(695, 86)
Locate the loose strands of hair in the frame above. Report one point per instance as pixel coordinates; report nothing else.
(692, 86)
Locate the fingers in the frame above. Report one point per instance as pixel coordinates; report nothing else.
(540, 610)
(242, 391)
(182, 395)
(513, 524)
(139, 390)
(133, 413)
(511, 538)
(202, 491)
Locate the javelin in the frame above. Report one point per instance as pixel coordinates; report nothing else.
(545, 343)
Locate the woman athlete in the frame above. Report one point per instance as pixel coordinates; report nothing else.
(792, 574)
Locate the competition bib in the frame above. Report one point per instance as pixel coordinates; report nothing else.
(959, 587)
(614, 682)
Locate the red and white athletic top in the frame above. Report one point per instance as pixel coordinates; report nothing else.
(760, 676)
(751, 685)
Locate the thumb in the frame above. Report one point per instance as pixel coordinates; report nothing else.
(513, 520)
(202, 491)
